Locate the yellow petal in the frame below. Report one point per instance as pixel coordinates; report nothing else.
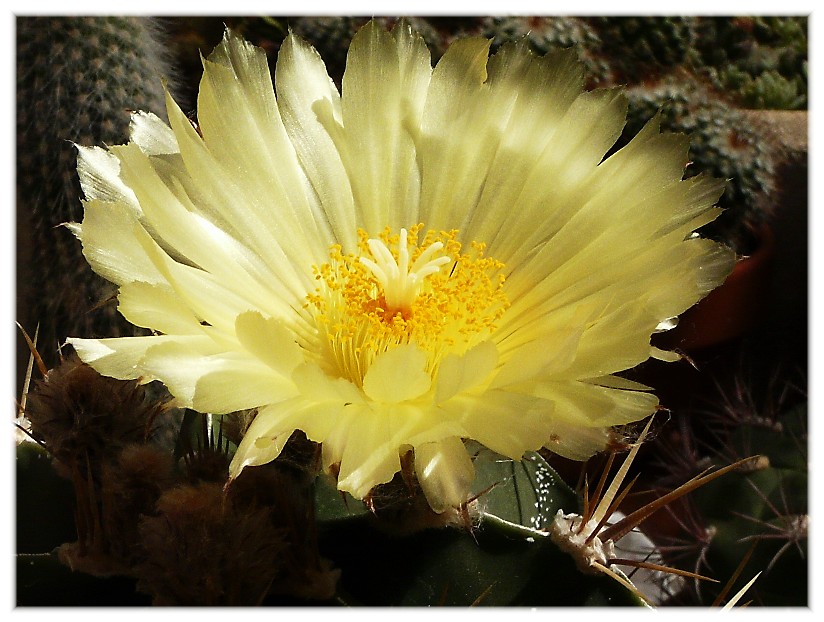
(547, 354)
(377, 114)
(575, 442)
(506, 422)
(458, 135)
(242, 127)
(192, 238)
(398, 375)
(157, 307)
(99, 172)
(113, 244)
(459, 373)
(321, 388)
(219, 383)
(370, 456)
(585, 404)
(152, 135)
(530, 96)
(445, 472)
(559, 185)
(270, 341)
(265, 438)
(311, 109)
(207, 297)
(120, 357)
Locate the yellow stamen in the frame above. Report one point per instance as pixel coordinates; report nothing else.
(396, 290)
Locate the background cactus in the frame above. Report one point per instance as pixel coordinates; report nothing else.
(640, 48)
(765, 507)
(77, 78)
(759, 61)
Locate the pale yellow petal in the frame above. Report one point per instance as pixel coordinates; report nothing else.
(617, 382)
(321, 388)
(243, 211)
(383, 90)
(99, 172)
(242, 127)
(275, 423)
(207, 297)
(459, 373)
(458, 135)
(508, 423)
(270, 341)
(311, 109)
(193, 239)
(585, 404)
(120, 357)
(220, 383)
(575, 442)
(266, 436)
(157, 307)
(549, 353)
(152, 135)
(558, 187)
(369, 458)
(613, 342)
(445, 472)
(530, 95)
(398, 375)
(664, 355)
(114, 244)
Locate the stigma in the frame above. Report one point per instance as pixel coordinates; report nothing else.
(400, 282)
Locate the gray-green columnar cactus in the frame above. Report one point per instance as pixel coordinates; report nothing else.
(77, 78)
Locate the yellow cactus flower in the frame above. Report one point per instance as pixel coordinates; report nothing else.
(428, 256)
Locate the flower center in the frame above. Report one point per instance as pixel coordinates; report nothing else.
(398, 289)
(400, 283)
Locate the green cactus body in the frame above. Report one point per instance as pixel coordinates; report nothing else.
(766, 509)
(757, 516)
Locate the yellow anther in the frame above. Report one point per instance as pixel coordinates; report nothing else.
(397, 290)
